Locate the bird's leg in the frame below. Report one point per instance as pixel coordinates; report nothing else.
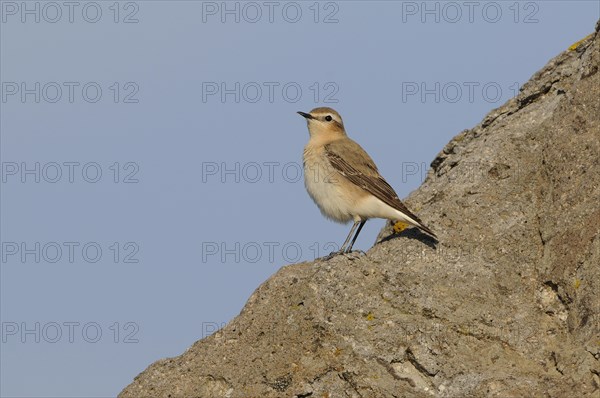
(362, 223)
(342, 250)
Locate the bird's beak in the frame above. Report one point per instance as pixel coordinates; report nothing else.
(306, 115)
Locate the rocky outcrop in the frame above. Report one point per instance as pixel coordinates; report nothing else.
(506, 304)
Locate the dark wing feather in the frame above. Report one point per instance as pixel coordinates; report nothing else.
(358, 167)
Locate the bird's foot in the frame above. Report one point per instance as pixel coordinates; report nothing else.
(332, 255)
(353, 254)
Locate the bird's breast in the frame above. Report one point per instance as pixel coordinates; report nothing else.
(326, 186)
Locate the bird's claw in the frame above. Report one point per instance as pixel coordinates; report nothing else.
(332, 255)
(354, 254)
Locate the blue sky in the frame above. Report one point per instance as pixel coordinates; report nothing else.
(151, 154)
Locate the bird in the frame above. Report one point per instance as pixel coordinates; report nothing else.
(343, 180)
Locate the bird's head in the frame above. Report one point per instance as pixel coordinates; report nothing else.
(324, 122)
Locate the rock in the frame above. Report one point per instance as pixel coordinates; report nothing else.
(506, 304)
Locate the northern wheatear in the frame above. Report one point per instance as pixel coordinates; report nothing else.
(343, 180)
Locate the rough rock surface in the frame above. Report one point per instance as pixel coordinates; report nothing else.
(506, 304)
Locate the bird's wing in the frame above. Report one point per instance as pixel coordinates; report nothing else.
(352, 162)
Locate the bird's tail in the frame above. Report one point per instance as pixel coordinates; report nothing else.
(427, 230)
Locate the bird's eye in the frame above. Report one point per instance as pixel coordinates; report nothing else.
(328, 118)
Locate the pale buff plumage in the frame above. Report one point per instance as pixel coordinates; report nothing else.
(343, 180)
